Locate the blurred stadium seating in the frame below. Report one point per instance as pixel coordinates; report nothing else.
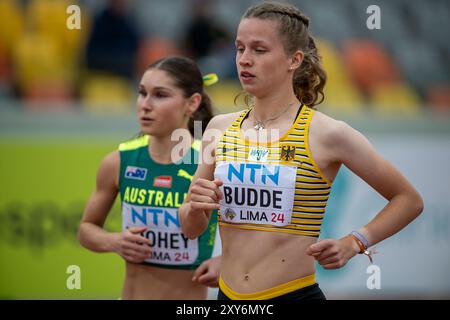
(406, 62)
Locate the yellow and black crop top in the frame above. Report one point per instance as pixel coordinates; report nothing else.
(273, 186)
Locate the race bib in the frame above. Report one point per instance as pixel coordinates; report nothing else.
(256, 193)
(168, 245)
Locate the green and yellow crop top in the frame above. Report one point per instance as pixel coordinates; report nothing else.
(151, 194)
(274, 186)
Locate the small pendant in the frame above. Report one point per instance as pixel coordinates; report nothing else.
(258, 125)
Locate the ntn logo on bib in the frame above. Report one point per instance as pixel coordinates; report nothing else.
(256, 173)
(151, 217)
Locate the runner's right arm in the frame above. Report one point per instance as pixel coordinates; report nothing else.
(128, 244)
(204, 193)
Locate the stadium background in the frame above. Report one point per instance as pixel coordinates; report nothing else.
(67, 98)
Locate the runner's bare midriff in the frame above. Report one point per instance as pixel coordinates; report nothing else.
(265, 259)
(148, 282)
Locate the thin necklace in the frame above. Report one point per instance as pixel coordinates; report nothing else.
(261, 124)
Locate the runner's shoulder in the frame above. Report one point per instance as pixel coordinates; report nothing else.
(111, 161)
(329, 131)
(223, 121)
(109, 167)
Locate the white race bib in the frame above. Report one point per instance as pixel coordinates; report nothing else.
(257, 193)
(168, 245)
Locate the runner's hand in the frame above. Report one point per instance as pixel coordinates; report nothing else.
(131, 246)
(332, 253)
(205, 195)
(208, 272)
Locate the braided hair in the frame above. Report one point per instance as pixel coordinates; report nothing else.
(310, 78)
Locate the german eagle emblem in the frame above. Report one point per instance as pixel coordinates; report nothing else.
(287, 153)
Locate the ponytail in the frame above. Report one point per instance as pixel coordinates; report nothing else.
(203, 113)
(309, 80)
